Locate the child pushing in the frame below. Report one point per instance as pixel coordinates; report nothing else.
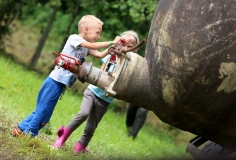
(79, 46)
(94, 105)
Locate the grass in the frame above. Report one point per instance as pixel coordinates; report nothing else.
(18, 91)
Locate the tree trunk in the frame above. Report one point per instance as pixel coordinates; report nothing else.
(43, 40)
(68, 29)
(69, 26)
(8, 12)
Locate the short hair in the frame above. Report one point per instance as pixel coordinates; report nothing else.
(133, 34)
(88, 20)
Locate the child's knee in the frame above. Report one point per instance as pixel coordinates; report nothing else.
(84, 115)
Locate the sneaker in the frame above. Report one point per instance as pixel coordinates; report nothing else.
(16, 132)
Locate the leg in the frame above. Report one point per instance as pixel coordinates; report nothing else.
(85, 109)
(139, 121)
(97, 112)
(130, 116)
(24, 124)
(46, 102)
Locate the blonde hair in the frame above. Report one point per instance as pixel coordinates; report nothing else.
(88, 20)
(131, 33)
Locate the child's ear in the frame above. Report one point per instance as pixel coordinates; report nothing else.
(86, 29)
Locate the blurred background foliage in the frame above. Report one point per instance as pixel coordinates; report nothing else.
(117, 15)
(31, 30)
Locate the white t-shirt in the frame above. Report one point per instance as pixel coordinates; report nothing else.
(72, 48)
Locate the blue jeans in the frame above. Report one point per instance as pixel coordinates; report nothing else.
(46, 102)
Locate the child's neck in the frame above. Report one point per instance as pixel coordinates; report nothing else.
(81, 35)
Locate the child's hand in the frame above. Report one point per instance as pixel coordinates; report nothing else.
(117, 39)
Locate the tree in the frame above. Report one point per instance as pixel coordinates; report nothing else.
(43, 39)
(117, 15)
(121, 15)
(9, 9)
(74, 6)
(55, 4)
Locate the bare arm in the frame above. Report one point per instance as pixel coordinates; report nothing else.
(103, 66)
(96, 45)
(99, 45)
(98, 54)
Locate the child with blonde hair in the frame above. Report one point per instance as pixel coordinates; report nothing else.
(93, 107)
(79, 46)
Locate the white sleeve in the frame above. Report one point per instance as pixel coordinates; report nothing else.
(76, 40)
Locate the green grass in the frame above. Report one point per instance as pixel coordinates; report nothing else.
(18, 92)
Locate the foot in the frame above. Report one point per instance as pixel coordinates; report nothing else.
(130, 135)
(80, 148)
(60, 131)
(85, 150)
(16, 132)
(63, 134)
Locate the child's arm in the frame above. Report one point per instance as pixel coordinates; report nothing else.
(103, 66)
(99, 45)
(98, 54)
(102, 54)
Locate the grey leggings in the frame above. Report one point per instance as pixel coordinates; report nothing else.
(92, 108)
